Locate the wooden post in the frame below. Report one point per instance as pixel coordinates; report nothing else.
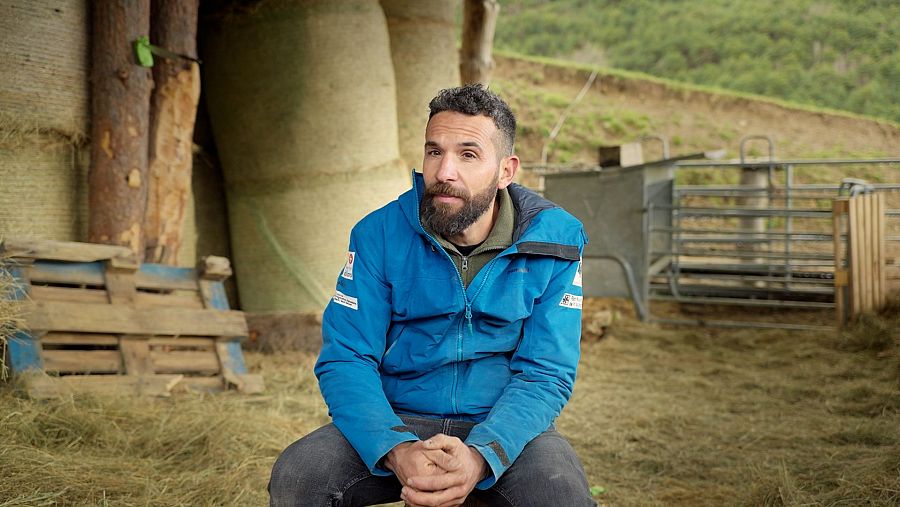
(120, 90)
(865, 223)
(882, 250)
(853, 237)
(173, 109)
(479, 20)
(841, 272)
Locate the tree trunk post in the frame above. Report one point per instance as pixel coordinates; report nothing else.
(117, 195)
(173, 109)
(479, 22)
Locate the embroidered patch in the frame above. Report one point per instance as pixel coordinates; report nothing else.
(348, 268)
(571, 301)
(345, 300)
(577, 281)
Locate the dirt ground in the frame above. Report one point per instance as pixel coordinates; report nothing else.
(660, 416)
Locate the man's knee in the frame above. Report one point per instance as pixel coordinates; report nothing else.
(546, 471)
(306, 467)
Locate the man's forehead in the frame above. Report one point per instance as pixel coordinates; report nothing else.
(468, 129)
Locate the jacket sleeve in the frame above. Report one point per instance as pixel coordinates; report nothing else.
(354, 330)
(543, 368)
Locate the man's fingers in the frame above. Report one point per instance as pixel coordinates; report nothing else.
(441, 441)
(436, 482)
(443, 459)
(433, 498)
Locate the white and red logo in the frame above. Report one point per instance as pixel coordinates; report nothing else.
(348, 268)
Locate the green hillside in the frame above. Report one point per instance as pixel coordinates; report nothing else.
(841, 54)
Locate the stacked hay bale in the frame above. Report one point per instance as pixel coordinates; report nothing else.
(303, 106)
(44, 120)
(423, 50)
(44, 110)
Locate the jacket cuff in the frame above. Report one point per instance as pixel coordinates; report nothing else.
(496, 459)
(374, 456)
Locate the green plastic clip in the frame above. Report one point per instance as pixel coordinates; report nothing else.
(144, 52)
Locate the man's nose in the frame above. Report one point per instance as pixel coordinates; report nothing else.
(447, 170)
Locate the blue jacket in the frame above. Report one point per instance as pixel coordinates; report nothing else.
(402, 335)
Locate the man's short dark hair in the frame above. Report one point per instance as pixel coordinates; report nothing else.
(474, 100)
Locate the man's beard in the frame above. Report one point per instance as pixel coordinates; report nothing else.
(441, 218)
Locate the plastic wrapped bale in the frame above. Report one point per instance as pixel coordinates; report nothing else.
(426, 60)
(302, 101)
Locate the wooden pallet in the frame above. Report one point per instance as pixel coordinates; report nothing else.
(98, 321)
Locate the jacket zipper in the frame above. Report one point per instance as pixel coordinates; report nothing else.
(468, 303)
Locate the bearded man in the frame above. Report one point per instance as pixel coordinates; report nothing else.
(451, 343)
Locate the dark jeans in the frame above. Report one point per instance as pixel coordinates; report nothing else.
(323, 470)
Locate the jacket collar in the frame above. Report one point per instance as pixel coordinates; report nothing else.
(528, 205)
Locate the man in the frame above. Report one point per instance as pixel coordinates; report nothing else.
(451, 343)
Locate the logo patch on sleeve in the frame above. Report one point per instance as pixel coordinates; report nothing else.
(577, 281)
(348, 268)
(571, 301)
(345, 300)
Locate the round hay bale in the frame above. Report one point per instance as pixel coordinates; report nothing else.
(312, 84)
(44, 65)
(423, 49)
(44, 190)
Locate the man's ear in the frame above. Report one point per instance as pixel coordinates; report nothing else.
(509, 166)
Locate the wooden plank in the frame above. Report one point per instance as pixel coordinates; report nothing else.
(177, 299)
(58, 272)
(246, 383)
(82, 361)
(22, 347)
(200, 384)
(65, 251)
(213, 267)
(866, 216)
(120, 286)
(185, 299)
(874, 251)
(24, 353)
(853, 234)
(41, 386)
(186, 361)
(841, 275)
(158, 276)
(183, 342)
(79, 339)
(213, 294)
(882, 249)
(72, 294)
(135, 352)
(117, 319)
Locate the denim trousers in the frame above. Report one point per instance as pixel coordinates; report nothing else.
(322, 469)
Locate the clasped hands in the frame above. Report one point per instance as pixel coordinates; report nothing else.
(438, 472)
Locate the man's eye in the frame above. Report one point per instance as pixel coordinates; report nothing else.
(433, 153)
(468, 154)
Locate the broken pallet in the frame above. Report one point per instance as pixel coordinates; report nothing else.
(98, 321)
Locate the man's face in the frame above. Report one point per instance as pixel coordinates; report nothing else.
(461, 169)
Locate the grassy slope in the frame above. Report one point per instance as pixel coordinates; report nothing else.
(623, 106)
(836, 53)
